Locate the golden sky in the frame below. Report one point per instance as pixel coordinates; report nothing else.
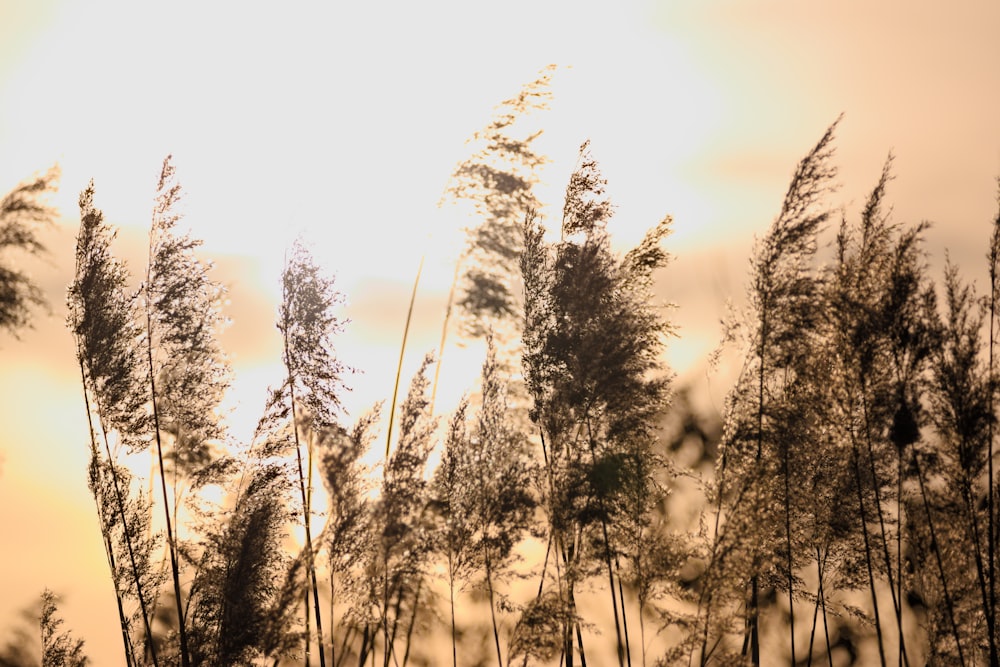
(343, 121)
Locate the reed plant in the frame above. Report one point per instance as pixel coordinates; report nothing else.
(24, 215)
(856, 458)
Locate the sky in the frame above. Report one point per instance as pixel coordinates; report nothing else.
(342, 122)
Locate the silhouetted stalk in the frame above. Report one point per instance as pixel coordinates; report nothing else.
(402, 353)
(899, 554)
(820, 602)
(413, 622)
(391, 636)
(705, 589)
(607, 547)
(788, 541)
(348, 636)
(973, 528)
(826, 625)
(611, 586)
(812, 630)
(568, 555)
(567, 629)
(706, 592)
(363, 651)
(309, 492)
(174, 568)
(552, 536)
(105, 530)
(994, 257)
(397, 611)
(452, 508)
(451, 600)
(541, 581)
(129, 657)
(575, 625)
(311, 556)
(579, 643)
(573, 610)
(165, 558)
(642, 632)
(545, 563)
(385, 610)
(746, 628)
(937, 555)
(308, 635)
(561, 553)
(754, 610)
(715, 645)
(305, 496)
(171, 543)
(131, 552)
(493, 614)
(868, 551)
(333, 620)
(621, 598)
(703, 658)
(881, 519)
(174, 494)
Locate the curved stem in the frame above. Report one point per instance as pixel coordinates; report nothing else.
(402, 353)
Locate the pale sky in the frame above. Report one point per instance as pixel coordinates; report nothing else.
(344, 120)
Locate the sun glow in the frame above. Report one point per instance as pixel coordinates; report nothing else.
(341, 125)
